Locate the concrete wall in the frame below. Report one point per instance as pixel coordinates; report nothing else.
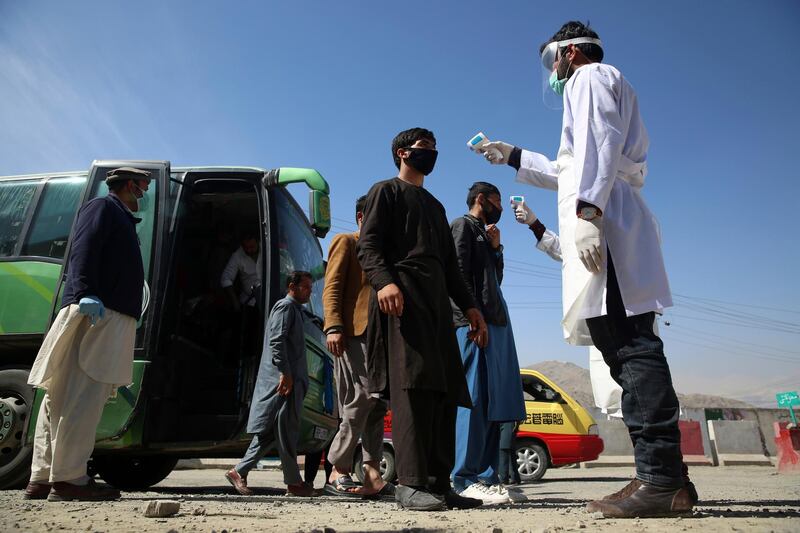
(695, 432)
(737, 442)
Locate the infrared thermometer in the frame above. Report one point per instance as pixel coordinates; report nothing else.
(517, 201)
(479, 141)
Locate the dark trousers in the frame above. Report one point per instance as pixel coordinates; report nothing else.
(507, 468)
(311, 466)
(424, 436)
(650, 408)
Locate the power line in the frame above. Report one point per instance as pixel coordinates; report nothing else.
(722, 311)
(731, 323)
(793, 362)
(738, 304)
(726, 338)
(736, 349)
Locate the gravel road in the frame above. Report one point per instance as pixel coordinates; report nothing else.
(732, 499)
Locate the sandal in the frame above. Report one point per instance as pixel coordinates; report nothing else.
(387, 492)
(342, 486)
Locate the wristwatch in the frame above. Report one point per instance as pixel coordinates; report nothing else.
(589, 212)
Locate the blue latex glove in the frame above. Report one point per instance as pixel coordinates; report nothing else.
(92, 307)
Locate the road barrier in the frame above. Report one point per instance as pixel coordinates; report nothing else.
(737, 442)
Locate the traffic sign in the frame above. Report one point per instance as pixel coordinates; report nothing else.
(788, 400)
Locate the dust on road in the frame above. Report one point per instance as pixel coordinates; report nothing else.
(731, 499)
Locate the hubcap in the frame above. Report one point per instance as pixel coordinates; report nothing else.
(13, 413)
(528, 461)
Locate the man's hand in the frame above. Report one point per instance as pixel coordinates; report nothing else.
(490, 150)
(478, 332)
(335, 341)
(524, 214)
(493, 232)
(285, 385)
(588, 240)
(390, 300)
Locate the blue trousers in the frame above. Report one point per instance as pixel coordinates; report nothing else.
(477, 439)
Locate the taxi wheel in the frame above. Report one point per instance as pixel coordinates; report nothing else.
(532, 460)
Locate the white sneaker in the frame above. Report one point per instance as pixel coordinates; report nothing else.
(514, 495)
(481, 492)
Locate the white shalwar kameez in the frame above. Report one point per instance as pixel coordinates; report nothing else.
(80, 366)
(602, 160)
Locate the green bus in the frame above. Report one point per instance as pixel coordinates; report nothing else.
(195, 360)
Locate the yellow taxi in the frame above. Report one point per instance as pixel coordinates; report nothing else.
(557, 430)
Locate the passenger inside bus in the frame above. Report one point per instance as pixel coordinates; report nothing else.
(212, 350)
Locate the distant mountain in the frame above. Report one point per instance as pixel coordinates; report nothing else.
(575, 380)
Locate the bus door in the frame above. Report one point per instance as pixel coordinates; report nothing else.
(118, 414)
(211, 333)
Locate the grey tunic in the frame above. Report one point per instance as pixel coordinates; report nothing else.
(286, 354)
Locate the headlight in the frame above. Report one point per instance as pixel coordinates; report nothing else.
(593, 430)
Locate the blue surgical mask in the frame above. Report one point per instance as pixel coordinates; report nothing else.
(556, 84)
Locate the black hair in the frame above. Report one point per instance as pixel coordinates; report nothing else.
(572, 30)
(297, 276)
(361, 203)
(247, 235)
(406, 138)
(480, 187)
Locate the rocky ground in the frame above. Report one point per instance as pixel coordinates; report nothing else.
(732, 499)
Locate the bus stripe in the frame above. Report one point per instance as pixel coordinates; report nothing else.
(26, 279)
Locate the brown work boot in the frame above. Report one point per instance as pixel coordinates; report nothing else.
(624, 492)
(37, 491)
(239, 483)
(647, 501)
(91, 492)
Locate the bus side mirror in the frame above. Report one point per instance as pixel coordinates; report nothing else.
(319, 212)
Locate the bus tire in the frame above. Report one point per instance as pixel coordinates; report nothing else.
(133, 473)
(532, 460)
(16, 399)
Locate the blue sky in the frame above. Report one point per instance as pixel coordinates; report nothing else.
(328, 84)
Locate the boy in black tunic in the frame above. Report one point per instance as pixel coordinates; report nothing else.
(406, 250)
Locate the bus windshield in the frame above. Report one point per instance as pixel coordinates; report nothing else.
(298, 248)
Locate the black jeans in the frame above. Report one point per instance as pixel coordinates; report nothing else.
(507, 469)
(650, 407)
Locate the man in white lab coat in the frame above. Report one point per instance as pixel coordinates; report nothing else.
(614, 280)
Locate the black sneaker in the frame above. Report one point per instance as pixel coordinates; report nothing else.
(417, 499)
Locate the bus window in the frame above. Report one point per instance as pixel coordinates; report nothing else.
(53, 218)
(298, 248)
(15, 201)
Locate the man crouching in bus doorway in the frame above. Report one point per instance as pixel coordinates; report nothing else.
(88, 351)
(279, 392)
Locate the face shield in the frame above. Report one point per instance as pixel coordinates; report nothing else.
(550, 60)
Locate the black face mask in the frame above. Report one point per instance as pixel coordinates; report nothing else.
(422, 159)
(491, 213)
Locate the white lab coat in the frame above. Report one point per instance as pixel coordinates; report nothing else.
(606, 392)
(602, 160)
